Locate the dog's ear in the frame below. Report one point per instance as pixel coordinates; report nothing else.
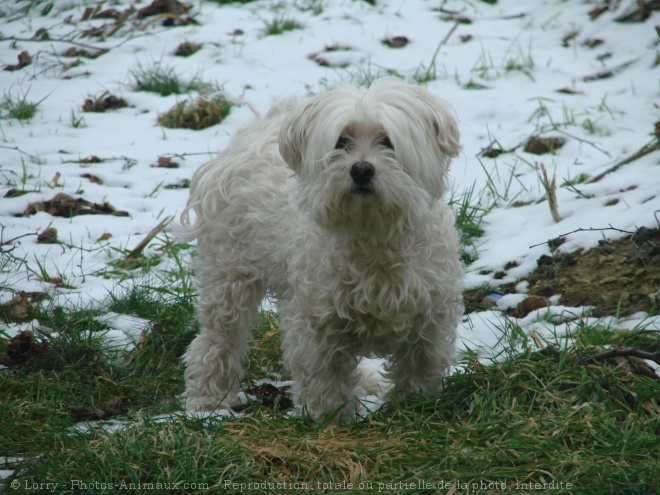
(440, 117)
(293, 135)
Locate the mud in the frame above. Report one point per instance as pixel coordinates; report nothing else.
(617, 277)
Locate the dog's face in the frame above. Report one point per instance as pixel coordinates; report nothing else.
(370, 162)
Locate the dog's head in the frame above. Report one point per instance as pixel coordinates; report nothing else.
(371, 162)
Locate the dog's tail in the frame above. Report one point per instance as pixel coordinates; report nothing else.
(187, 229)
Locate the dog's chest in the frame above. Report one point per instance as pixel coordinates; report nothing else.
(382, 292)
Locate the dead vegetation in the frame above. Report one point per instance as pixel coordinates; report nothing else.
(195, 114)
(103, 102)
(64, 205)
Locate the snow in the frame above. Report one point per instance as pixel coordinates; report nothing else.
(513, 49)
(124, 330)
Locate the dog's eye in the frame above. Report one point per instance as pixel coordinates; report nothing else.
(386, 142)
(342, 143)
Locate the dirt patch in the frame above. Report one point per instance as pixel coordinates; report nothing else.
(617, 277)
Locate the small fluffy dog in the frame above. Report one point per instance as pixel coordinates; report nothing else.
(331, 207)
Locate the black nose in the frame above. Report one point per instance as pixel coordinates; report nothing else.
(362, 172)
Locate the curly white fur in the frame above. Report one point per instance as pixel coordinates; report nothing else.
(331, 207)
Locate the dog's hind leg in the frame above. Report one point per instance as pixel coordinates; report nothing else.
(228, 304)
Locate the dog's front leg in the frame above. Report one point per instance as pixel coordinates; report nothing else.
(420, 366)
(324, 372)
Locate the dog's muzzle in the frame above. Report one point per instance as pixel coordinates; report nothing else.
(362, 174)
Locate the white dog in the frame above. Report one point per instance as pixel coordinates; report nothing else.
(331, 207)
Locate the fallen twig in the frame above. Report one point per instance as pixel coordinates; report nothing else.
(551, 191)
(607, 73)
(644, 150)
(137, 251)
(587, 229)
(651, 356)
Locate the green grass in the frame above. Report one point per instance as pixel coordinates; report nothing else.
(19, 108)
(470, 214)
(161, 79)
(280, 24)
(527, 417)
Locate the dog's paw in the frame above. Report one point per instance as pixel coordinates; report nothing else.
(205, 403)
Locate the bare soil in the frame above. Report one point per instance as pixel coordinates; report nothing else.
(618, 277)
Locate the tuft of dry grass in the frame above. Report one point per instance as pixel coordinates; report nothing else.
(195, 114)
(295, 453)
(187, 48)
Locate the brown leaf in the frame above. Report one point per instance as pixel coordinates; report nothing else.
(569, 91)
(20, 348)
(58, 282)
(62, 205)
(103, 103)
(271, 396)
(566, 40)
(22, 303)
(596, 12)
(56, 179)
(492, 152)
(48, 236)
(166, 162)
(528, 305)
(396, 41)
(92, 178)
(157, 7)
(106, 410)
(91, 159)
(539, 146)
(107, 14)
(24, 59)
(15, 193)
(84, 413)
(19, 307)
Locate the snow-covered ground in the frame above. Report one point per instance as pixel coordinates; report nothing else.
(499, 65)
